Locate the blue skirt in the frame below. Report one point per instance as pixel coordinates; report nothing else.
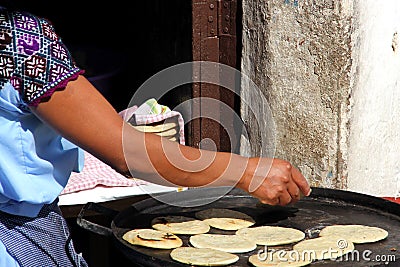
(43, 241)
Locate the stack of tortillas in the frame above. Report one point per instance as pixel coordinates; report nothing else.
(168, 128)
(152, 117)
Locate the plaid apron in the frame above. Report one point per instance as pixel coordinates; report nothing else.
(43, 241)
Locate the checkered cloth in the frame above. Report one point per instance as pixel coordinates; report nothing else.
(145, 114)
(96, 173)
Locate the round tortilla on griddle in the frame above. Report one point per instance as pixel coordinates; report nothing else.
(203, 256)
(272, 235)
(225, 219)
(326, 247)
(356, 233)
(180, 225)
(227, 243)
(152, 238)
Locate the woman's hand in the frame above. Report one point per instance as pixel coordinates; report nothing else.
(274, 181)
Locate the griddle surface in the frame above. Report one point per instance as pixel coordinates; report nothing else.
(309, 213)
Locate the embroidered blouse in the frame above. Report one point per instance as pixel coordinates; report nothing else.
(36, 161)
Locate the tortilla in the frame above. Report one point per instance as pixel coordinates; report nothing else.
(358, 234)
(152, 238)
(157, 128)
(271, 235)
(281, 258)
(169, 133)
(227, 243)
(326, 247)
(203, 256)
(180, 225)
(225, 219)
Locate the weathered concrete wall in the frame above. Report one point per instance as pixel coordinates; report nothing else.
(330, 70)
(374, 141)
(298, 53)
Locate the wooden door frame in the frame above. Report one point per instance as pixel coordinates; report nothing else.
(214, 38)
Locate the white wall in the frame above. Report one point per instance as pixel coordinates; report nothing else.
(299, 56)
(331, 73)
(374, 138)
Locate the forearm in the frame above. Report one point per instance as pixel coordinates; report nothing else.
(83, 116)
(162, 161)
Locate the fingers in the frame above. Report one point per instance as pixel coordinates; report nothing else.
(300, 181)
(285, 199)
(283, 185)
(288, 191)
(276, 192)
(294, 191)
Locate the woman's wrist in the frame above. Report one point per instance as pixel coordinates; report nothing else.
(248, 174)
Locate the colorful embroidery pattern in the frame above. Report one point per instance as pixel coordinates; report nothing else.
(33, 57)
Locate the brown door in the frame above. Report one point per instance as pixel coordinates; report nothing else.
(214, 39)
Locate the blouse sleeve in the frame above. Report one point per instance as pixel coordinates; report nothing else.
(38, 63)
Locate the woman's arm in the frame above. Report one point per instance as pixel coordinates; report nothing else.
(82, 115)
